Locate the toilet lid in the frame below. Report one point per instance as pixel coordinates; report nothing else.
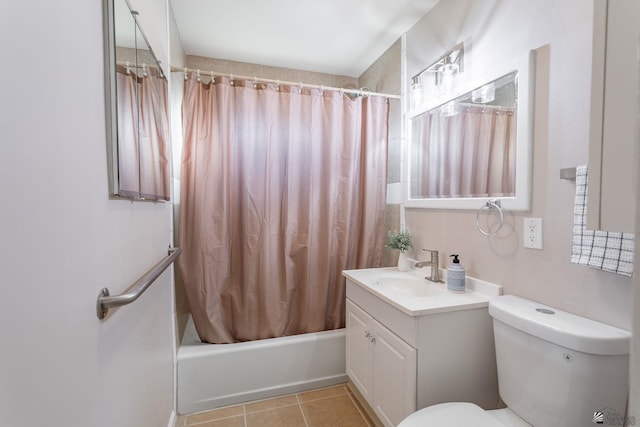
(454, 414)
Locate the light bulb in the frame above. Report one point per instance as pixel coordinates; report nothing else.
(486, 93)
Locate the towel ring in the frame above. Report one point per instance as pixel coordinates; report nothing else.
(491, 204)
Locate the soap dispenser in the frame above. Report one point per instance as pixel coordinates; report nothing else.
(455, 275)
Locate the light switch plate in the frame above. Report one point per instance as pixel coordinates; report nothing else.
(532, 233)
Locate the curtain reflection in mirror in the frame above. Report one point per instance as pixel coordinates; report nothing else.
(142, 133)
(464, 152)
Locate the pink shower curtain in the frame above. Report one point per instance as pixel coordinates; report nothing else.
(468, 154)
(143, 126)
(281, 190)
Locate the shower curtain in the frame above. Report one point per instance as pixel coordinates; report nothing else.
(281, 189)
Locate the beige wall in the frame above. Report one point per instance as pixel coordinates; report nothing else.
(492, 30)
(384, 76)
(268, 72)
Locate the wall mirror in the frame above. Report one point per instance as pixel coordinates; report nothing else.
(475, 145)
(137, 109)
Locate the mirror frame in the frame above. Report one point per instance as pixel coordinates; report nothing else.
(525, 66)
(111, 107)
(111, 103)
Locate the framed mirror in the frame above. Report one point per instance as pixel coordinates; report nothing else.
(137, 109)
(475, 146)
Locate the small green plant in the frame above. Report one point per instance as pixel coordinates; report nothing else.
(400, 240)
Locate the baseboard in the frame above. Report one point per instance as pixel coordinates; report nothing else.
(364, 406)
(260, 394)
(172, 419)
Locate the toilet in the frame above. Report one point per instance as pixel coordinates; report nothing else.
(554, 369)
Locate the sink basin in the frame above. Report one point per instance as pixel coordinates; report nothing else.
(412, 294)
(409, 286)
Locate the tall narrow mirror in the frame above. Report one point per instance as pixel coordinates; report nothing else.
(137, 109)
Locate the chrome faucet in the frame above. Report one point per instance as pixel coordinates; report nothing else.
(434, 264)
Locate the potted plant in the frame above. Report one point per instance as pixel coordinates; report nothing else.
(400, 240)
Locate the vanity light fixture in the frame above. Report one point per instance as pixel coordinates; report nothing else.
(417, 96)
(437, 79)
(449, 109)
(485, 94)
(447, 71)
(447, 74)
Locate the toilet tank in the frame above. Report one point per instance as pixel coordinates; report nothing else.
(556, 368)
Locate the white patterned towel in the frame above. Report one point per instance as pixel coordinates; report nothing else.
(608, 251)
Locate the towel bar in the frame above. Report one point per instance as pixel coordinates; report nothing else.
(568, 173)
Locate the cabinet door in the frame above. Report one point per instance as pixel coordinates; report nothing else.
(359, 349)
(614, 116)
(394, 371)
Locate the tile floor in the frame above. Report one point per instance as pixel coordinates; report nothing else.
(327, 407)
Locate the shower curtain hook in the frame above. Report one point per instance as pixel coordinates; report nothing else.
(186, 73)
(213, 77)
(300, 87)
(198, 74)
(255, 82)
(144, 69)
(128, 67)
(159, 68)
(231, 79)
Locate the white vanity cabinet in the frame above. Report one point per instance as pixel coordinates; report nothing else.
(381, 365)
(402, 358)
(614, 116)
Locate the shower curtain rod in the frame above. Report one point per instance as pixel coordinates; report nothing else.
(135, 65)
(283, 82)
(144, 67)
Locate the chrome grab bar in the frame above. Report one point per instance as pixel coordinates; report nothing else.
(105, 301)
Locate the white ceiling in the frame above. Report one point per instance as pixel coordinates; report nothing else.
(342, 37)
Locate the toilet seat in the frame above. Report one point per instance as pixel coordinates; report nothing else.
(452, 414)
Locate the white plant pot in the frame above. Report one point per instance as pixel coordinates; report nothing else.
(403, 262)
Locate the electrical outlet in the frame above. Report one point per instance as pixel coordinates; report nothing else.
(532, 233)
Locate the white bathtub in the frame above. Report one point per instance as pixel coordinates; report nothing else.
(214, 375)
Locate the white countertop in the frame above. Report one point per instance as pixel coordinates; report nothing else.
(477, 295)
